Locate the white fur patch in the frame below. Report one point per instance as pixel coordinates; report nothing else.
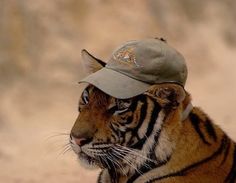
(140, 159)
(150, 141)
(164, 148)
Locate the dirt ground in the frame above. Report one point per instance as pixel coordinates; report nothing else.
(40, 43)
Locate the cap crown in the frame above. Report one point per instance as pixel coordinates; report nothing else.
(151, 60)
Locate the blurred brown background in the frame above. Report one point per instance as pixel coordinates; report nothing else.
(40, 43)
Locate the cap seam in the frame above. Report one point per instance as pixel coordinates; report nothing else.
(162, 49)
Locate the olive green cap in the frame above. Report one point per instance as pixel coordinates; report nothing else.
(136, 65)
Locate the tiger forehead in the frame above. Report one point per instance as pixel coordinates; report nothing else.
(97, 97)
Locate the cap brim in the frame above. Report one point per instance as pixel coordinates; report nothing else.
(116, 84)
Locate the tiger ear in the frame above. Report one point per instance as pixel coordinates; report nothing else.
(91, 63)
(169, 94)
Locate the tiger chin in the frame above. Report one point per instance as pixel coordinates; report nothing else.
(155, 137)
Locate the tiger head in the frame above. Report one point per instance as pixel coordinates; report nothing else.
(125, 134)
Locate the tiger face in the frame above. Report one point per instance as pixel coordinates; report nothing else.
(123, 134)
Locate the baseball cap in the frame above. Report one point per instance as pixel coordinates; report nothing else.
(137, 65)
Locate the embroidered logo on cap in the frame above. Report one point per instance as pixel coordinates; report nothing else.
(126, 55)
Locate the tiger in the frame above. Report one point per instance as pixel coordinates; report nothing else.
(155, 137)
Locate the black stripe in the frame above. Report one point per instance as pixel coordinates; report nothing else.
(120, 134)
(114, 130)
(99, 180)
(111, 168)
(188, 168)
(195, 122)
(114, 176)
(210, 129)
(139, 144)
(154, 116)
(231, 178)
(226, 151)
(122, 137)
(132, 108)
(99, 143)
(143, 112)
(144, 169)
(114, 137)
(129, 120)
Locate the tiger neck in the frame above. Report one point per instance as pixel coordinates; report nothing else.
(164, 149)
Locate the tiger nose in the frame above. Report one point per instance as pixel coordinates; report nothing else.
(80, 141)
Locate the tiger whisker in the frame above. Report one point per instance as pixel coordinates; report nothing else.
(133, 165)
(135, 155)
(122, 157)
(56, 135)
(65, 149)
(134, 152)
(117, 163)
(104, 155)
(149, 144)
(112, 160)
(104, 160)
(113, 167)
